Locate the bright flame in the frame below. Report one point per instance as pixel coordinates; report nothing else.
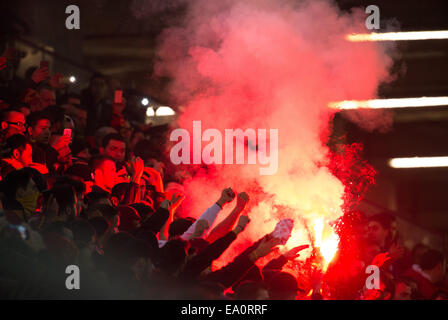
(390, 103)
(398, 36)
(419, 162)
(327, 241)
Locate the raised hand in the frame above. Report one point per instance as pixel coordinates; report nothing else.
(227, 195)
(396, 251)
(241, 200)
(61, 143)
(176, 200)
(55, 81)
(137, 169)
(265, 247)
(380, 259)
(40, 74)
(294, 252)
(171, 205)
(242, 223)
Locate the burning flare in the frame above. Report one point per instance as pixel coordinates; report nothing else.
(327, 241)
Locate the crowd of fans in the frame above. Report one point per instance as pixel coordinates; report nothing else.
(100, 196)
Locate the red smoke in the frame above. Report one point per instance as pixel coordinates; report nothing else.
(272, 65)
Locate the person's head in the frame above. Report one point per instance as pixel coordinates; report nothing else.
(172, 256)
(12, 122)
(81, 172)
(179, 226)
(129, 219)
(283, 286)
(39, 127)
(118, 193)
(79, 189)
(144, 211)
(109, 213)
(57, 117)
(98, 86)
(84, 234)
(32, 98)
(115, 247)
(433, 263)
(138, 257)
(81, 149)
(102, 228)
(104, 172)
(20, 149)
(251, 290)
(114, 146)
(379, 229)
(66, 199)
(19, 186)
(47, 96)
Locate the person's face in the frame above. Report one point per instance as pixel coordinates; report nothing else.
(47, 97)
(89, 185)
(15, 123)
(109, 174)
(26, 157)
(30, 189)
(32, 98)
(116, 150)
(402, 291)
(84, 154)
(41, 131)
(376, 233)
(126, 131)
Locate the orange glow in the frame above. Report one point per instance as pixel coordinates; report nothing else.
(326, 240)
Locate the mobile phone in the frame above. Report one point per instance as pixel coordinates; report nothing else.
(68, 132)
(21, 229)
(44, 64)
(118, 96)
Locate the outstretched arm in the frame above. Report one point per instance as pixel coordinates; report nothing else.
(211, 213)
(227, 224)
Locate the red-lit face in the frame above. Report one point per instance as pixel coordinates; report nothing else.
(41, 131)
(26, 157)
(108, 174)
(116, 149)
(14, 123)
(32, 98)
(376, 233)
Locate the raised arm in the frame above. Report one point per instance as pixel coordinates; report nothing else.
(204, 259)
(227, 224)
(211, 213)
